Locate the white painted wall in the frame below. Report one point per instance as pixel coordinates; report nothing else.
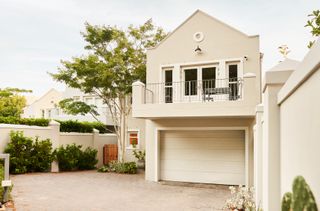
(94, 140)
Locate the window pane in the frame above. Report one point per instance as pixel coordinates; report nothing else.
(191, 77)
(233, 71)
(233, 82)
(208, 79)
(168, 77)
(133, 138)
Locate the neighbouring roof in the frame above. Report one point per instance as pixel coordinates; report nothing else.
(286, 65)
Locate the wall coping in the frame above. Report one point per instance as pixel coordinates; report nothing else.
(307, 67)
(14, 126)
(107, 134)
(75, 134)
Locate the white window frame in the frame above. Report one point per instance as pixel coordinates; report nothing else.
(128, 145)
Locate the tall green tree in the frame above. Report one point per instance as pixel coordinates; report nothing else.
(115, 59)
(11, 102)
(314, 25)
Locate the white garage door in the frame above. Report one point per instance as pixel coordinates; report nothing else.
(203, 156)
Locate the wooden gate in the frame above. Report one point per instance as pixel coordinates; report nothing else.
(110, 153)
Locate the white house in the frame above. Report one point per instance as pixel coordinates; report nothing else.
(47, 106)
(203, 85)
(43, 107)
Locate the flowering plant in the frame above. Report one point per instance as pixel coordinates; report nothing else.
(242, 199)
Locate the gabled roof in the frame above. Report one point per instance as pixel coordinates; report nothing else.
(287, 64)
(203, 13)
(48, 92)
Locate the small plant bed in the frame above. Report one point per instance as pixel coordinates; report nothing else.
(120, 167)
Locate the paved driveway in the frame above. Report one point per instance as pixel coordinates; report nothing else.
(93, 191)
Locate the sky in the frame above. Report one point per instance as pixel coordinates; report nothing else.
(36, 35)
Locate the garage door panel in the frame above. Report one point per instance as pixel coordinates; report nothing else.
(203, 156)
(203, 177)
(203, 166)
(200, 134)
(192, 143)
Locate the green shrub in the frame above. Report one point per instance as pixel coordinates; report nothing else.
(120, 167)
(27, 155)
(72, 157)
(68, 157)
(83, 127)
(88, 159)
(41, 155)
(25, 121)
(75, 126)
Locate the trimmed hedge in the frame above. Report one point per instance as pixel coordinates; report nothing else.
(83, 127)
(65, 126)
(25, 121)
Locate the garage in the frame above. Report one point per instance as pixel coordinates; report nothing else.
(203, 156)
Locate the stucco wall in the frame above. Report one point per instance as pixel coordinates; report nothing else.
(84, 139)
(152, 125)
(300, 142)
(221, 42)
(94, 140)
(139, 125)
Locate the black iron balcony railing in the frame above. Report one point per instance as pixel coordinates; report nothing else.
(229, 89)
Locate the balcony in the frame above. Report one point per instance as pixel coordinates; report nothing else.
(231, 97)
(194, 91)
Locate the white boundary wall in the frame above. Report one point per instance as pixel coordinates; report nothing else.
(52, 132)
(287, 131)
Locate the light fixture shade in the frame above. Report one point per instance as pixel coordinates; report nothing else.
(198, 50)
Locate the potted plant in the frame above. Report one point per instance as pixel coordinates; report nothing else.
(140, 155)
(242, 199)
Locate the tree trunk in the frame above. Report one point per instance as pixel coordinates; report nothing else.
(122, 137)
(123, 131)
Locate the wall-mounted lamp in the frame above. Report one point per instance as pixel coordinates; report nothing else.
(245, 58)
(198, 50)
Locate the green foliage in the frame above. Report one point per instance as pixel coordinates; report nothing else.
(41, 155)
(301, 197)
(83, 127)
(120, 167)
(11, 103)
(28, 155)
(68, 157)
(88, 159)
(72, 157)
(25, 121)
(115, 59)
(75, 126)
(314, 25)
(69, 106)
(139, 154)
(286, 202)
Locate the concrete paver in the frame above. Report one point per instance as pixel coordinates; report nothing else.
(93, 191)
